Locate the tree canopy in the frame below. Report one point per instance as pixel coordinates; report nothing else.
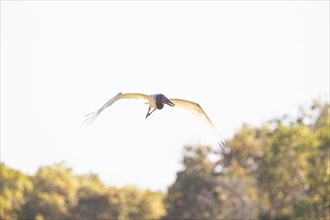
(278, 170)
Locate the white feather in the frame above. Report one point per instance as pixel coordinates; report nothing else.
(198, 112)
(91, 117)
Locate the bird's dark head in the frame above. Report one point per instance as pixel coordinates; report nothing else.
(161, 100)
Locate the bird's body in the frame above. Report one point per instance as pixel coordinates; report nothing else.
(157, 102)
(152, 101)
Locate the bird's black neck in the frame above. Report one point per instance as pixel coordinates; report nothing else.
(159, 101)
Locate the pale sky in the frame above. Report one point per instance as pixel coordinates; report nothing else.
(243, 62)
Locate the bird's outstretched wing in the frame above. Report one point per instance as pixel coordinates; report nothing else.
(91, 117)
(198, 112)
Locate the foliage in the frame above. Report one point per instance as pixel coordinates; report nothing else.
(54, 192)
(120, 203)
(13, 189)
(194, 193)
(279, 170)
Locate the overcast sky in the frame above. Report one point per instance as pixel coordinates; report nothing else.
(243, 62)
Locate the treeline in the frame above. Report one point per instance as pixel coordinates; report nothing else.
(279, 170)
(54, 192)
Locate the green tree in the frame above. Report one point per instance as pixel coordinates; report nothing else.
(279, 170)
(133, 203)
(152, 205)
(96, 206)
(92, 199)
(90, 185)
(194, 194)
(283, 170)
(121, 203)
(316, 203)
(239, 168)
(294, 172)
(13, 189)
(54, 193)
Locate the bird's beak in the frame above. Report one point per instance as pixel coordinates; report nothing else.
(168, 102)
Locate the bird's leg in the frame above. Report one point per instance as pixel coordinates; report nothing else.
(152, 111)
(149, 113)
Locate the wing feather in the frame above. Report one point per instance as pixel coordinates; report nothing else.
(198, 112)
(91, 117)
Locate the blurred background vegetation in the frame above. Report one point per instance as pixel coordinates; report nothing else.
(278, 170)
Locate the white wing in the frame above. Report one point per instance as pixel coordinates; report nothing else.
(91, 117)
(197, 111)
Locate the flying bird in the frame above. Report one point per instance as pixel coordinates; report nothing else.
(157, 102)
